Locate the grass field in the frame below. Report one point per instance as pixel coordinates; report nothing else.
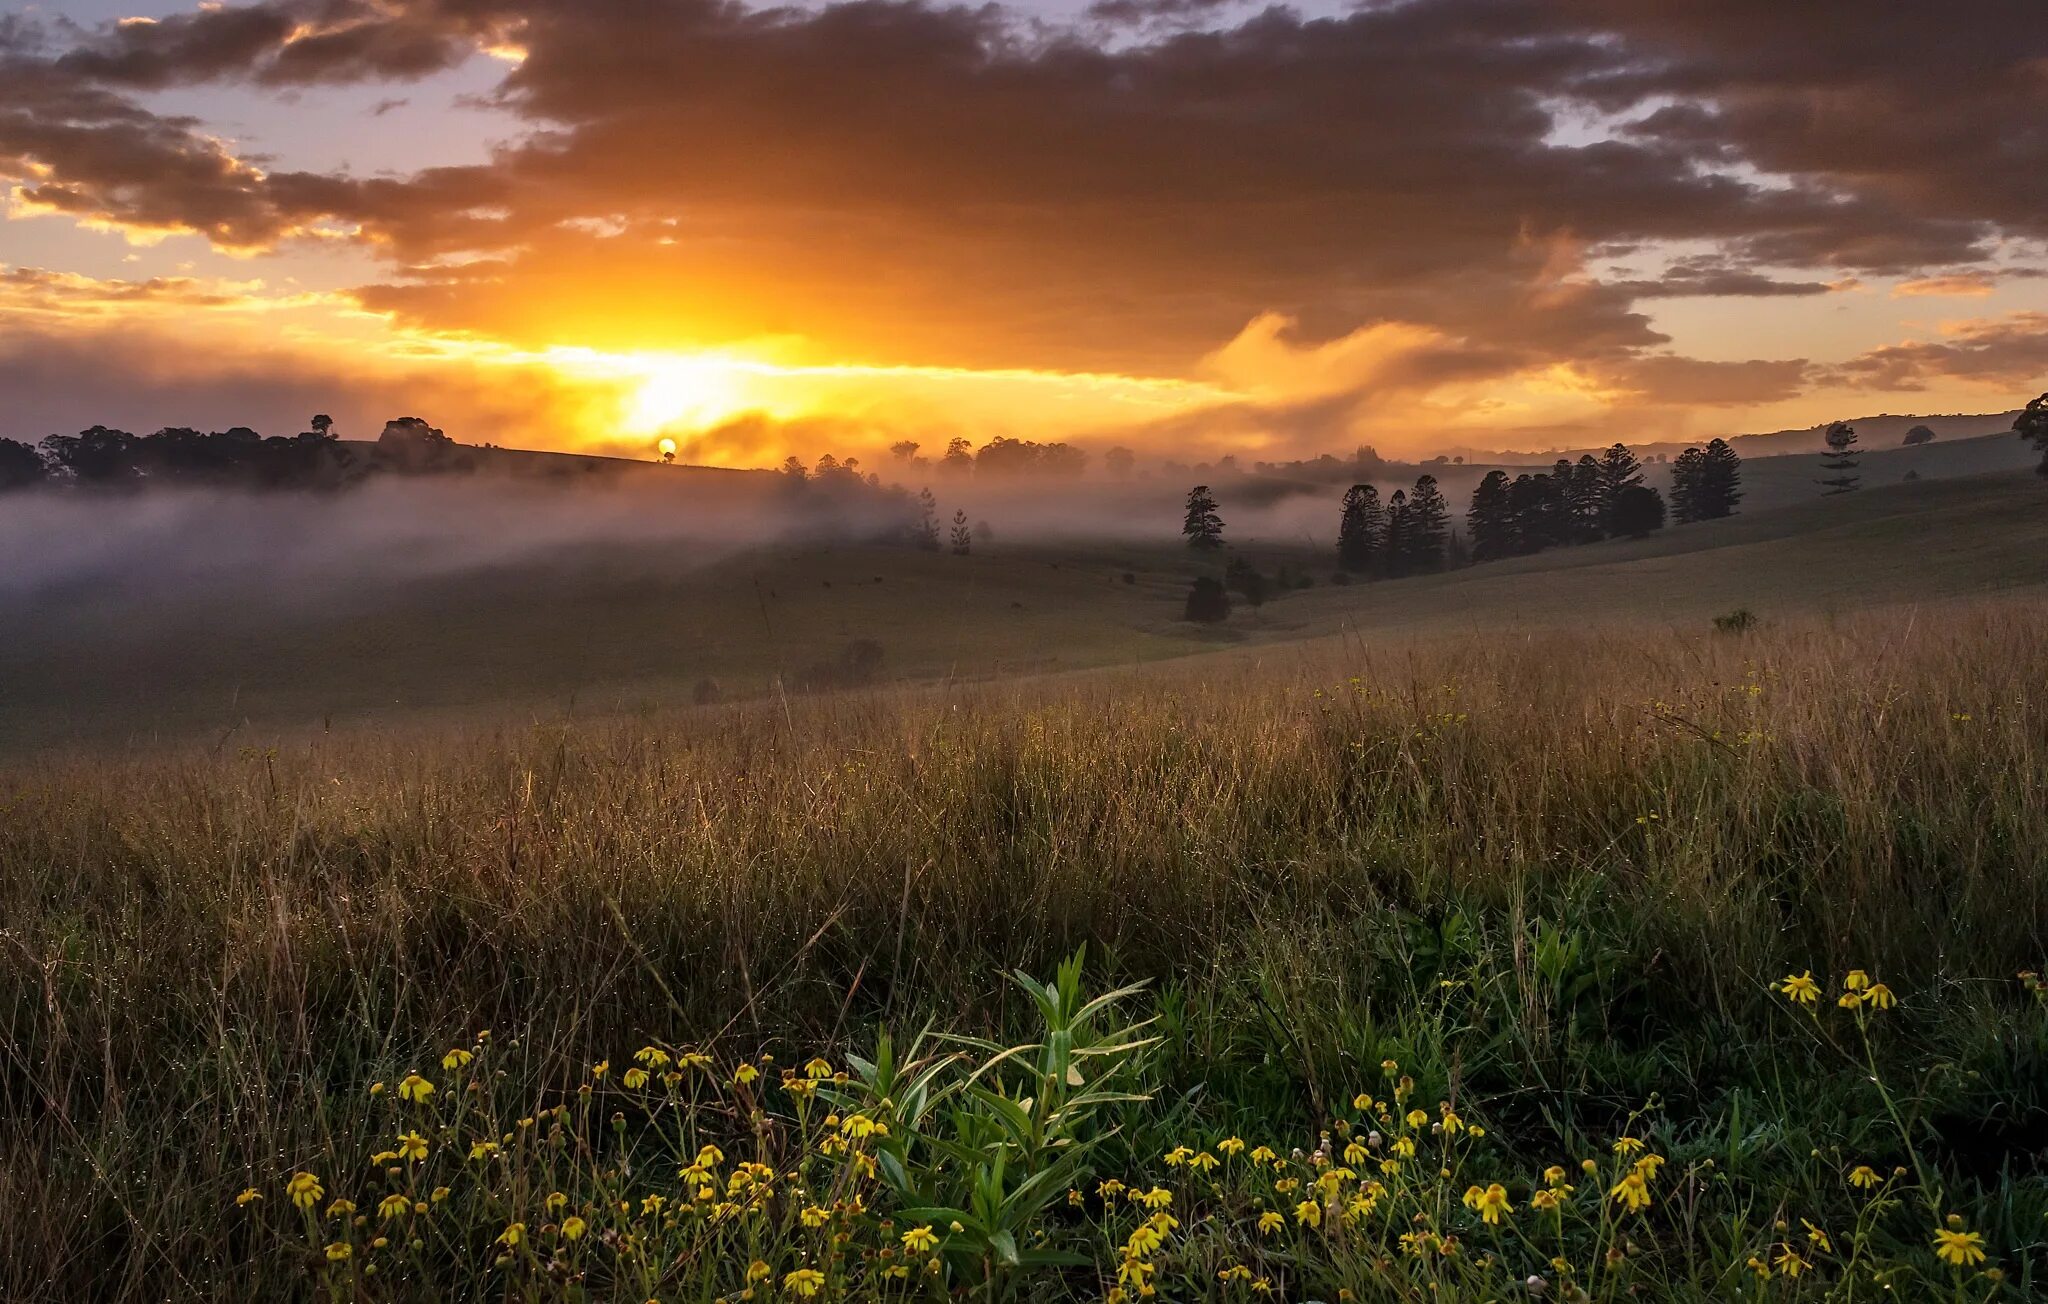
(1555, 877)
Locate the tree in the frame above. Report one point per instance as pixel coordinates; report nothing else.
(1585, 499)
(1720, 486)
(959, 458)
(1395, 554)
(1536, 509)
(1618, 471)
(20, 466)
(925, 534)
(2032, 426)
(793, 467)
(1429, 521)
(963, 538)
(1203, 527)
(1247, 580)
(1489, 522)
(1208, 601)
(1917, 435)
(1840, 460)
(99, 455)
(904, 450)
(1362, 529)
(1639, 510)
(1118, 461)
(322, 426)
(1686, 475)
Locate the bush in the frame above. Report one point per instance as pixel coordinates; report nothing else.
(1738, 621)
(1208, 601)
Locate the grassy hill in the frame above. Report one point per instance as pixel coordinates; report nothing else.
(625, 626)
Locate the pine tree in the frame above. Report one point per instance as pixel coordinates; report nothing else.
(1203, 527)
(1688, 474)
(1586, 500)
(1840, 461)
(1720, 480)
(963, 538)
(1490, 522)
(1619, 470)
(1396, 552)
(1429, 521)
(1362, 531)
(926, 533)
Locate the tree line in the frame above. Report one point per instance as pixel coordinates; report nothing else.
(102, 457)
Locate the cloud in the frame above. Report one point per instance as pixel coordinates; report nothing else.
(1968, 285)
(2009, 353)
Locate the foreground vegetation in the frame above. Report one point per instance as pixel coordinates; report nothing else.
(1631, 964)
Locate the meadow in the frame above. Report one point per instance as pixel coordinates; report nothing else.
(1636, 960)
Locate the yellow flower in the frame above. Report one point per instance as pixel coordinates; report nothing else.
(393, 1205)
(818, 1070)
(1230, 1146)
(573, 1228)
(1800, 988)
(440, 1194)
(1263, 1155)
(1545, 1201)
(711, 1156)
(1648, 1166)
(1491, 1204)
(1631, 1192)
(1416, 1118)
(600, 1068)
(1235, 1272)
(1880, 996)
(1790, 1263)
(635, 1079)
(813, 1216)
(512, 1235)
(758, 1271)
(1145, 1238)
(1362, 1103)
(412, 1146)
(653, 1204)
(654, 1057)
(1863, 1175)
(1177, 1156)
(1308, 1213)
(918, 1240)
(1270, 1222)
(339, 1251)
(1848, 1001)
(1819, 1237)
(1156, 1198)
(556, 1202)
(415, 1088)
(1954, 1246)
(1203, 1161)
(804, 1281)
(1857, 980)
(249, 1195)
(305, 1190)
(743, 1075)
(1628, 1145)
(1109, 1188)
(456, 1059)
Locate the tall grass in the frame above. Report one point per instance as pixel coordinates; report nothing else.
(1619, 837)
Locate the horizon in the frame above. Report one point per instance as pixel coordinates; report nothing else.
(1197, 230)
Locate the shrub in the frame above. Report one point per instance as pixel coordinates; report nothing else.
(1208, 601)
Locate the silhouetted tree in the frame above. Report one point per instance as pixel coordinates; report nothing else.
(1687, 474)
(1362, 529)
(322, 426)
(904, 450)
(963, 538)
(926, 532)
(98, 456)
(1394, 556)
(1720, 485)
(1638, 510)
(2032, 425)
(1585, 498)
(1536, 505)
(1202, 526)
(21, 466)
(1618, 470)
(1429, 521)
(1118, 461)
(1208, 601)
(1247, 579)
(1917, 435)
(1840, 461)
(1490, 522)
(793, 467)
(959, 458)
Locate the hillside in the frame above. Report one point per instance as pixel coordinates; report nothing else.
(628, 625)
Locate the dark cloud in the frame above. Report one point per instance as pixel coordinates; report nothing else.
(2011, 351)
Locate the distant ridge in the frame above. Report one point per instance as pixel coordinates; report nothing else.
(1884, 430)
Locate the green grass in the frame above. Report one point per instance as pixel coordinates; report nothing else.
(1553, 875)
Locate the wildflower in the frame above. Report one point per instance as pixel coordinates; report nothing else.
(1177, 1156)
(339, 1251)
(392, 1206)
(1648, 1166)
(1800, 988)
(1491, 1204)
(804, 1282)
(1863, 1175)
(600, 1068)
(456, 1059)
(1235, 1272)
(1548, 1200)
(415, 1088)
(1857, 980)
(1849, 1000)
(377, 1088)
(1230, 1147)
(653, 1204)
(1452, 1123)
(1416, 1118)
(1264, 1155)
(742, 1076)
(1145, 1238)
(1554, 1176)
(440, 1194)
(710, 1156)
(1362, 1103)
(412, 1146)
(1109, 1188)
(919, 1240)
(1389, 1067)
(1156, 1198)
(1628, 1145)
(556, 1202)
(1270, 1222)
(1953, 1245)
(1818, 1236)
(1789, 1262)
(653, 1057)
(1203, 1161)
(813, 1216)
(512, 1235)
(249, 1195)
(305, 1190)
(1631, 1192)
(573, 1228)
(635, 1079)
(1308, 1213)
(1880, 996)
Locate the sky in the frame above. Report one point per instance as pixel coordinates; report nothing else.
(1188, 227)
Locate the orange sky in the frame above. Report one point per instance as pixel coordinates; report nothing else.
(1187, 228)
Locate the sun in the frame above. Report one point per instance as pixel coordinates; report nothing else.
(683, 391)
